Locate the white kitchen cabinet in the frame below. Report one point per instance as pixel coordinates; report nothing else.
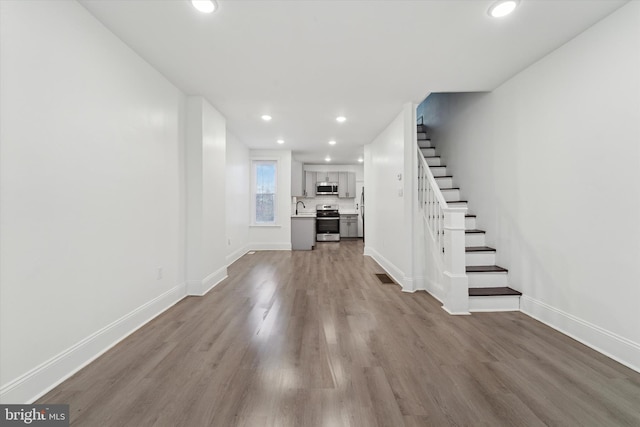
(348, 225)
(327, 176)
(309, 184)
(297, 179)
(347, 185)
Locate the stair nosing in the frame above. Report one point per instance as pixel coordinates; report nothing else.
(487, 269)
(474, 249)
(492, 292)
(474, 231)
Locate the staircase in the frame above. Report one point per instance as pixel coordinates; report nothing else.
(488, 282)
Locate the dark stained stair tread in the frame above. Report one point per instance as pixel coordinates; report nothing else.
(469, 216)
(474, 231)
(479, 249)
(457, 201)
(490, 292)
(450, 188)
(485, 269)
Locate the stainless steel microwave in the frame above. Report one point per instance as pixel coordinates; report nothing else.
(326, 188)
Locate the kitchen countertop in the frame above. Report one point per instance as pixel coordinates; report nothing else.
(348, 213)
(304, 215)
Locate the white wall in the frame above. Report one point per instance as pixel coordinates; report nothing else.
(275, 237)
(91, 200)
(550, 163)
(238, 198)
(206, 176)
(388, 194)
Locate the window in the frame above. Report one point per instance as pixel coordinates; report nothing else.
(264, 190)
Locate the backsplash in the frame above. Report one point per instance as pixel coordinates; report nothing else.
(345, 205)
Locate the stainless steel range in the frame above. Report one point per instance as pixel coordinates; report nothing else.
(327, 223)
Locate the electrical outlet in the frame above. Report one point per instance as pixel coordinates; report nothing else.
(159, 276)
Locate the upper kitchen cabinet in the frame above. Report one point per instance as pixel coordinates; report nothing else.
(297, 188)
(327, 176)
(309, 184)
(347, 185)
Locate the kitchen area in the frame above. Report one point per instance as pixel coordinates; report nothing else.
(326, 204)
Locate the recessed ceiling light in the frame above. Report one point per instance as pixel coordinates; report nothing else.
(332, 143)
(502, 8)
(280, 141)
(360, 159)
(327, 159)
(204, 6)
(341, 119)
(266, 117)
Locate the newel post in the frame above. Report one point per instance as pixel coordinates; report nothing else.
(456, 283)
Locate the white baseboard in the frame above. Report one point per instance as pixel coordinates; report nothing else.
(608, 343)
(29, 387)
(406, 283)
(286, 246)
(434, 289)
(201, 287)
(236, 255)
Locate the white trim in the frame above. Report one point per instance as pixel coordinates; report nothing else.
(606, 342)
(432, 288)
(236, 255)
(455, 313)
(286, 246)
(420, 283)
(406, 283)
(30, 386)
(201, 287)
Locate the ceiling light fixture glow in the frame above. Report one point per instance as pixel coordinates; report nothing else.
(332, 143)
(502, 8)
(360, 160)
(341, 119)
(204, 6)
(280, 141)
(327, 159)
(266, 117)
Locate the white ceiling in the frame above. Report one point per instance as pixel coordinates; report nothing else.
(305, 62)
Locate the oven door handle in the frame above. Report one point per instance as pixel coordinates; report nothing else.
(328, 219)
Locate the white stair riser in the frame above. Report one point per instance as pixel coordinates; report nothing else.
(444, 182)
(480, 258)
(458, 205)
(451, 195)
(434, 161)
(438, 171)
(487, 280)
(425, 143)
(428, 152)
(495, 303)
(422, 135)
(474, 239)
(470, 222)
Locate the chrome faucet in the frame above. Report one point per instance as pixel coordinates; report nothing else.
(300, 201)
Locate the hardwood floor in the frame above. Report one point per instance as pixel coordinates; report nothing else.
(315, 339)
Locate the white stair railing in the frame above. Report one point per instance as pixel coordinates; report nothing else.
(447, 229)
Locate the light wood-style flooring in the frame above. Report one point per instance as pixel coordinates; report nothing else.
(314, 339)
